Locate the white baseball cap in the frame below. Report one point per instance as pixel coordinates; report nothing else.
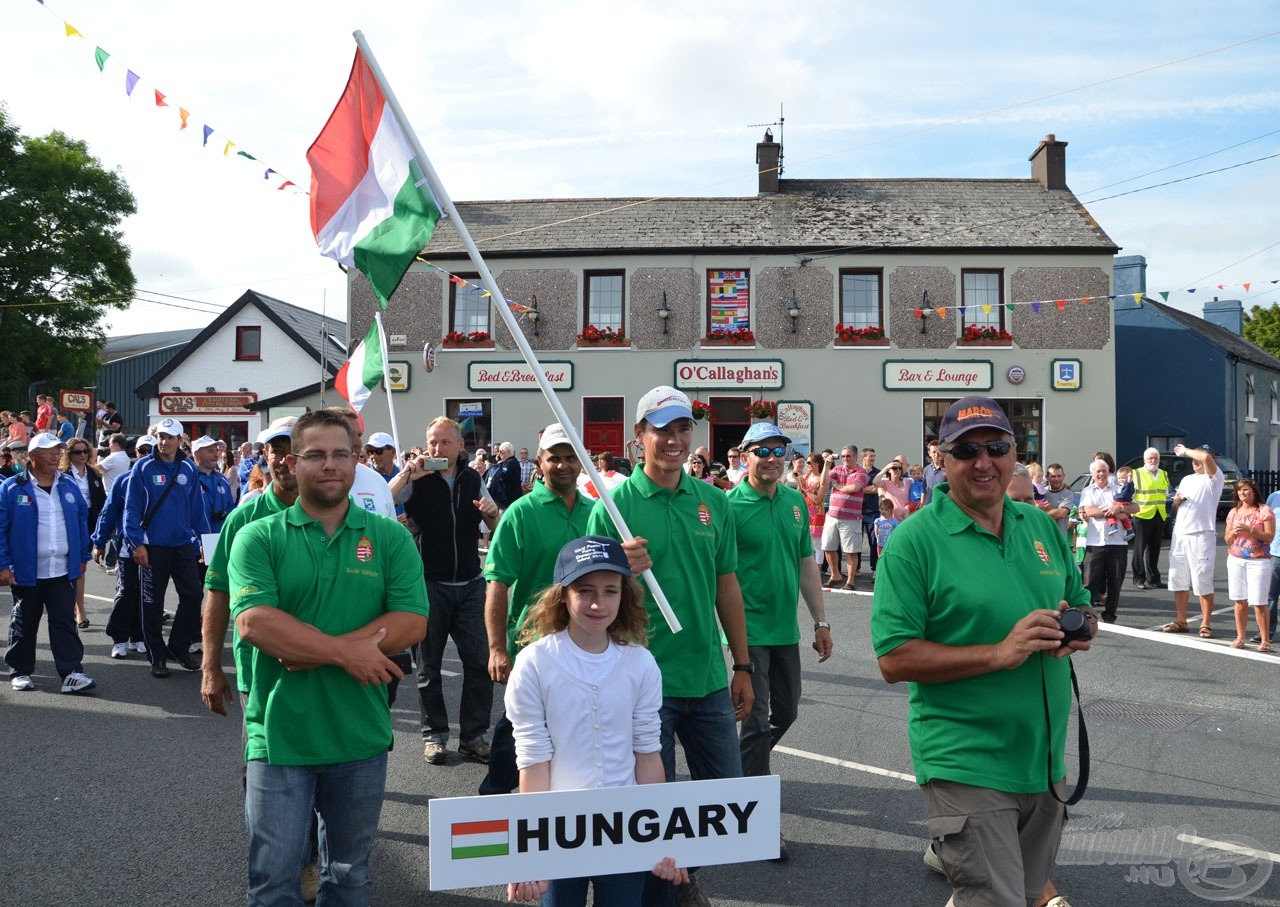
(45, 440)
(552, 435)
(662, 406)
(202, 442)
(169, 427)
(280, 428)
(148, 440)
(379, 440)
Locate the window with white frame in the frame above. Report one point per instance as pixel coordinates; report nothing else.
(861, 298)
(983, 299)
(604, 306)
(468, 306)
(1250, 399)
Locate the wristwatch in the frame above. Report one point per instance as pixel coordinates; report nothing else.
(748, 667)
(821, 625)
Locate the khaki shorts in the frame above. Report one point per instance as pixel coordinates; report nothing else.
(844, 535)
(997, 849)
(1191, 563)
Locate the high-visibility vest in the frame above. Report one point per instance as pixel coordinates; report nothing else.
(1150, 493)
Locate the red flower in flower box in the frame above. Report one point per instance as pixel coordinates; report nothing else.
(594, 336)
(727, 337)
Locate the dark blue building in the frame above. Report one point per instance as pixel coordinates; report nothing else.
(1183, 378)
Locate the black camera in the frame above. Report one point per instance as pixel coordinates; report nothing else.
(1075, 625)
(218, 515)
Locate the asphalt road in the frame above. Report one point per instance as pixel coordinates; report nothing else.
(131, 795)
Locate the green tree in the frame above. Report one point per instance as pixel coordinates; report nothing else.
(63, 261)
(1262, 328)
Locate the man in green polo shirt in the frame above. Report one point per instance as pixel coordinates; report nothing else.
(772, 522)
(691, 539)
(321, 592)
(967, 599)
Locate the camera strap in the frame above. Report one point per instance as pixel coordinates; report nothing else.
(1083, 743)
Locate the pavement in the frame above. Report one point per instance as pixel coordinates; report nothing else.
(131, 794)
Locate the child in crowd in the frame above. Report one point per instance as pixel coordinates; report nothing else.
(915, 497)
(1122, 523)
(885, 525)
(585, 651)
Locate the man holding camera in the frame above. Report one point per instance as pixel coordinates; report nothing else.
(967, 606)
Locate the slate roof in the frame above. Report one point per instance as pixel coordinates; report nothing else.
(805, 216)
(303, 326)
(1228, 341)
(124, 346)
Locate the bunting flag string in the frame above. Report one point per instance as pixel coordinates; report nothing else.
(1137, 298)
(516, 307)
(102, 57)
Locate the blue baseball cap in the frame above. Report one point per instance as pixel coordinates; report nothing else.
(589, 555)
(763, 431)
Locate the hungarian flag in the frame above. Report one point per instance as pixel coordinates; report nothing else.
(361, 373)
(370, 204)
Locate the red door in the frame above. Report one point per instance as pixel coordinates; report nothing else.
(602, 425)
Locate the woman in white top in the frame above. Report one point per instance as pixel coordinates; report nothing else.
(584, 651)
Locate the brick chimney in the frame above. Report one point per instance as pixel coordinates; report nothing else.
(767, 156)
(1049, 163)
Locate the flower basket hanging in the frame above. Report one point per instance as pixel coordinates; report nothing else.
(701, 410)
(763, 409)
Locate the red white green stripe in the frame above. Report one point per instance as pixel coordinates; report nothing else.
(361, 373)
(480, 839)
(371, 207)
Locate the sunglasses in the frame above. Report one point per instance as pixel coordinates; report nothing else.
(763, 452)
(970, 450)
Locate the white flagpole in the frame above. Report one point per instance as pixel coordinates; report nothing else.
(386, 381)
(518, 335)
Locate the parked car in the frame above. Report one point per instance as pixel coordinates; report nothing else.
(1178, 469)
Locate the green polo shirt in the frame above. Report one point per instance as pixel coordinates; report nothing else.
(525, 543)
(944, 579)
(369, 567)
(692, 542)
(773, 537)
(215, 578)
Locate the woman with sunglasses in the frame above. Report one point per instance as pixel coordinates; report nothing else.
(893, 484)
(80, 461)
(1250, 528)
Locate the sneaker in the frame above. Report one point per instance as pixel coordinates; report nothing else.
(932, 860)
(160, 669)
(476, 749)
(1128, 535)
(120, 650)
(77, 683)
(165, 617)
(1058, 901)
(140, 647)
(690, 895)
(196, 648)
(433, 752)
(22, 682)
(187, 662)
(310, 883)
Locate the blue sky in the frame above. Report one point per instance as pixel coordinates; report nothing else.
(598, 99)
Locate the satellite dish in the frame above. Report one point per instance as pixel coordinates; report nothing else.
(429, 357)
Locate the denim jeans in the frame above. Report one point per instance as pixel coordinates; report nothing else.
(776, 683)
(622, 890)
(457, 612)
(278, 808)
(503, 776)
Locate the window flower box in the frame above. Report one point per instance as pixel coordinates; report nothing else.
(473, 340)
(594, 336)
(868, 336)
(975, 335)
(738, 337)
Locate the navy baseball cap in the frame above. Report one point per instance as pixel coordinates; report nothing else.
(969, 413)
(589, 555)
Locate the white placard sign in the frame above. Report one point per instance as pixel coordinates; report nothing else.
(566, 834)
(208, 542)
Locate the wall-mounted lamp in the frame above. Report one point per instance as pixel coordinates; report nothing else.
(210, 390)
(924, 312)
(244, 390)
(664, 311)
(794, 311)
(533, 314)
(176, 389)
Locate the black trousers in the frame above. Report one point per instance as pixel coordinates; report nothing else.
(182, 565)
(1146, 549)
(58, 597)
(125, 622)
(1104, 567)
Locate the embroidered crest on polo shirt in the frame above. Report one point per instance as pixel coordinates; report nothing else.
(1042, 552)
(795, 511)
(704, 514)
(364, 550)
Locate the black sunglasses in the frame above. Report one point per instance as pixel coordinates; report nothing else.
(970, 449)
(763, 452)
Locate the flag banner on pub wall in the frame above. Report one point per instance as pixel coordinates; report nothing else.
(371, 207)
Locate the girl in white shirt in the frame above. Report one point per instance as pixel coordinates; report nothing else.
(584, 650)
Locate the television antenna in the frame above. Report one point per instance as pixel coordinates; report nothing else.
(782, 134)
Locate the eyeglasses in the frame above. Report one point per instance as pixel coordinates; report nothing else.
(763, 452)
(316, 457)
(969, 450)
(80, 452)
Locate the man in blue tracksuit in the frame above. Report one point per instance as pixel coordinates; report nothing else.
(216, 490)
(124, 626)
(164, 517)
(44, 546)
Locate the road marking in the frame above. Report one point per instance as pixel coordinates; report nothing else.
(845, 763)
(99, 598)
(1193, 642)
(1234, 848)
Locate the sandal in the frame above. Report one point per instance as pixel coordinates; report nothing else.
(84, 624)
(1237, 643)
(1175, 626)
(1264, 647)
(1206, 633)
